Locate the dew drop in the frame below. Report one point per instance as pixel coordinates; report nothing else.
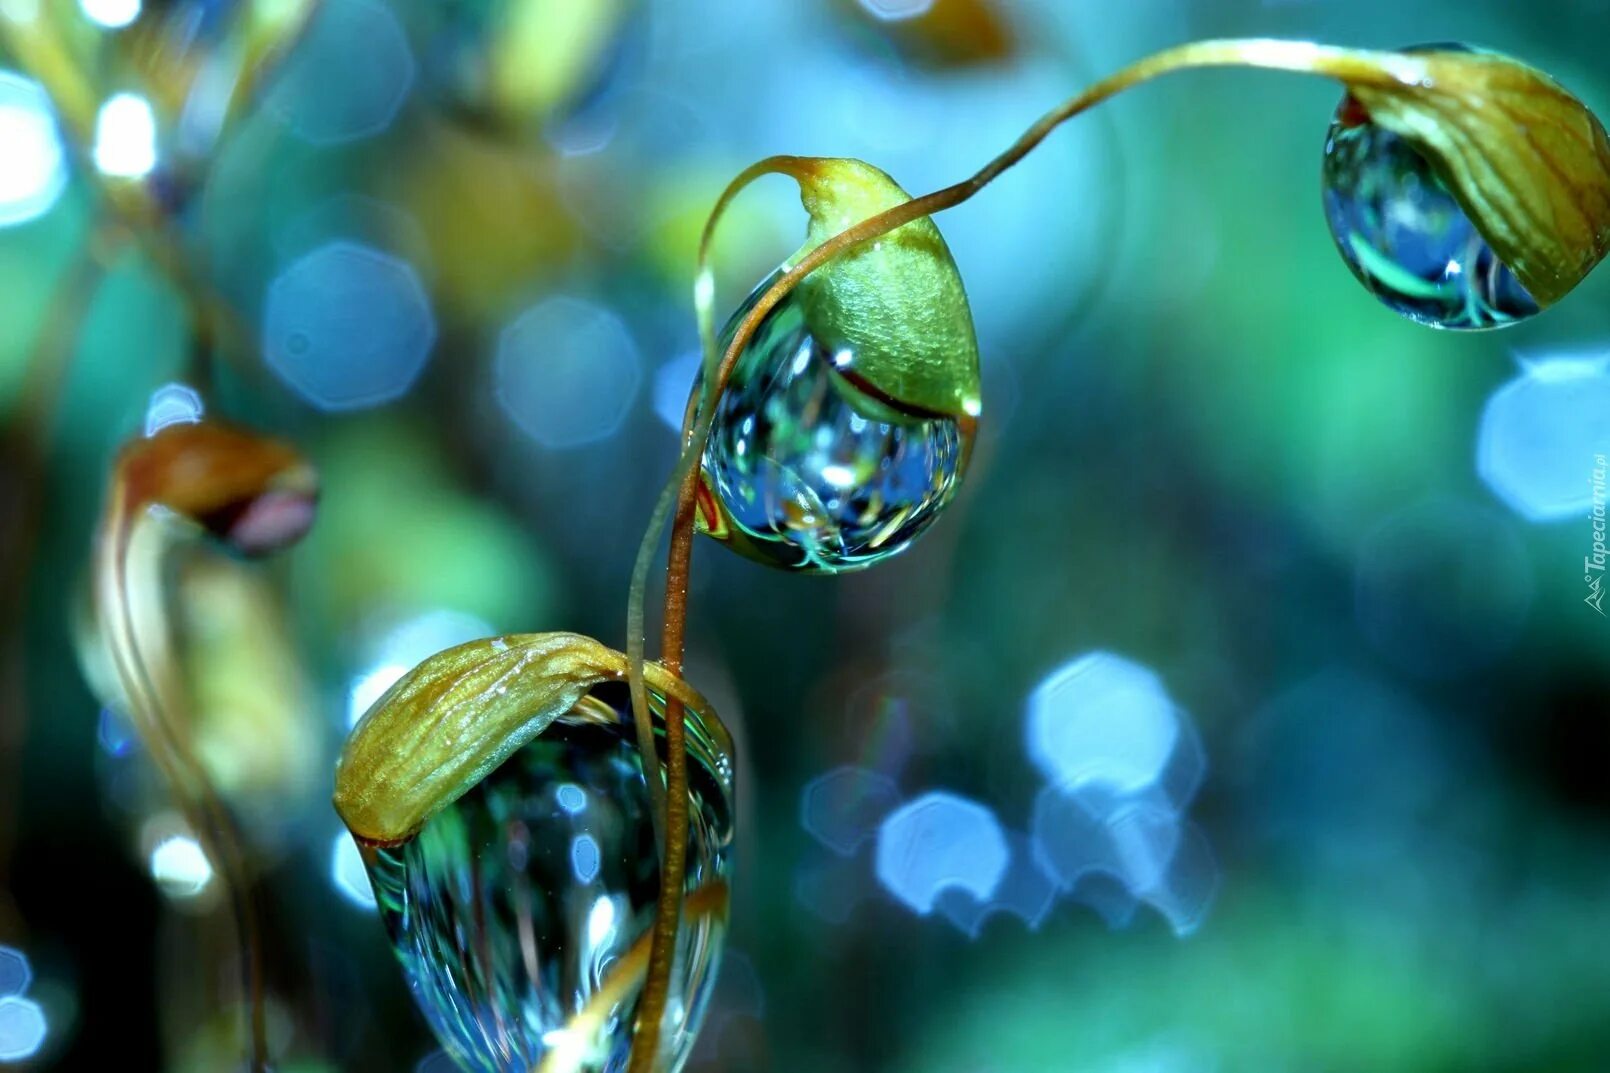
(1403, 233)
(522, 921)
(807, 468)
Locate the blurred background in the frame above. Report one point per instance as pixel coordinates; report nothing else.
(1245, 712)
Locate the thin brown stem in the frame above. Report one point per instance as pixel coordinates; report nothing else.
(1352, 66)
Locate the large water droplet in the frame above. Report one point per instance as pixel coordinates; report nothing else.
(807, 469)
(1404, 235)
(521, 913)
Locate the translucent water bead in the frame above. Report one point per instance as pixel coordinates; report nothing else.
(521, 913)
(1403, 233)
(807, 468)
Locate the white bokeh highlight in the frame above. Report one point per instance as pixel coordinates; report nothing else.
(33, 166)
(1540, 433)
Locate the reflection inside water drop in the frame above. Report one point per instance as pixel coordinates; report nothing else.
(1403, 233)
(522, 919)
(807, 468)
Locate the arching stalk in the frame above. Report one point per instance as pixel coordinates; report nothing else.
(1351, 66)
(152, 701)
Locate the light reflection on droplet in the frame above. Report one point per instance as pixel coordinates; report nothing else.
(126, 137)
(1541, 432)
(180, 867)
(15, 972)
(348, 874)
(571, 798)
(113, 14)
(584, 858)
(437, 1062)
(601, 922)
(566, 372)
(22, 1028)
(939, 841)
(348, 326)
(173, 404)
(842, 808)
(33, 168)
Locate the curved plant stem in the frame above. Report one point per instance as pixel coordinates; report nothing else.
(1349, 65)
(152, 699)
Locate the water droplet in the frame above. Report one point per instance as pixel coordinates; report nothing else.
(1403, 233)
(806, 469)
(522, 920)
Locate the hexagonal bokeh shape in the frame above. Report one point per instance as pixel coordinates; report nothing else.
(15, 972)
(566, 372)
(1104, 718)
(348, 76)
(938, 842)
(348, 326)
(1539, 436)
(1026, 891)
(1124, 847)
(841, 808)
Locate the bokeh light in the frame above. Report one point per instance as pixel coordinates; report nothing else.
(15, 972)
(567, 371)
(1325, 795)
(1089, 838)
(112, 14)
(896, 10)
(33, 170)
(126, 137)
(673, 383)
(173, 404)
(115, 733)
(842, 808)
(938, 842)
(1109, 719)
(1541, 432)
(831, 888)
(22, 1028)
(348, 326)
(1442, 586)
(349, 75)
(347, 873)
(406, 645)
(180, 867)
(1026, 891)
